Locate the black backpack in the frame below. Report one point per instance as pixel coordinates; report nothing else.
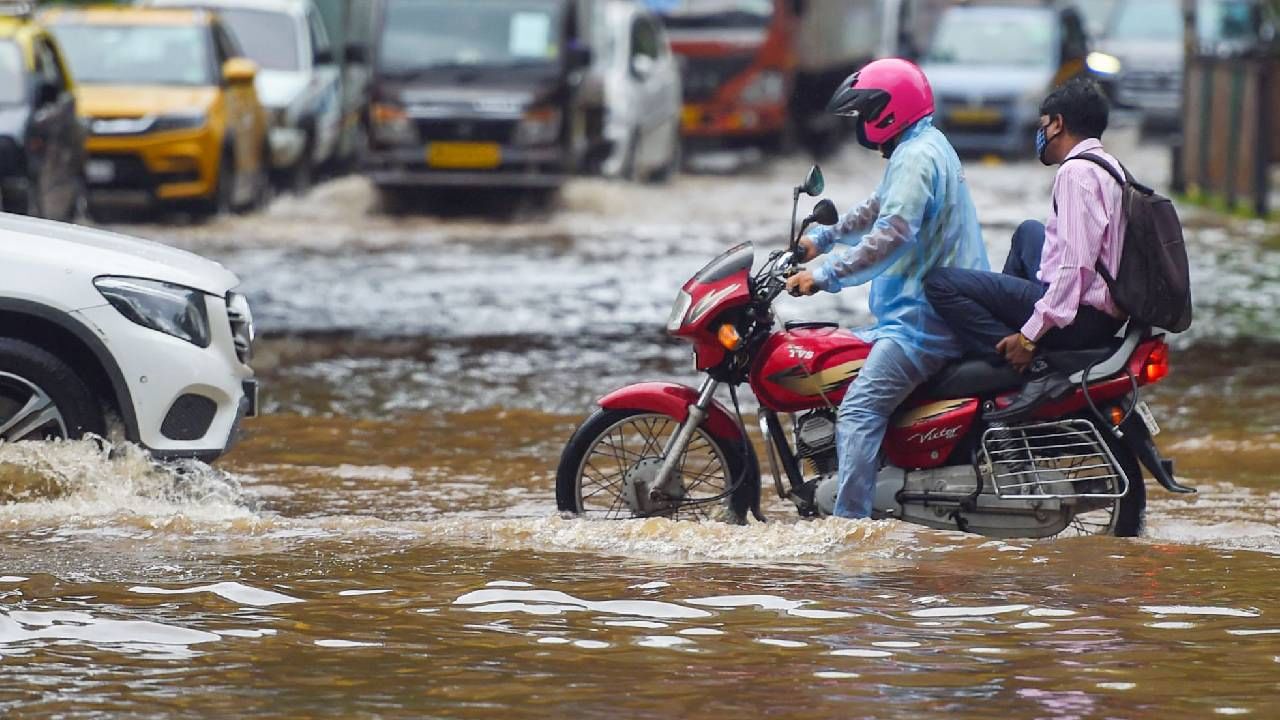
(1153, 282)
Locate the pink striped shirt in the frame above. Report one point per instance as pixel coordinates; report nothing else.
(1087, 223)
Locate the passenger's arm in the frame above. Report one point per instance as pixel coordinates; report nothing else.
(1082, 224)
(901, 213)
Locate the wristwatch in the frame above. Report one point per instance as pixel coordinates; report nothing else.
(1026, 343)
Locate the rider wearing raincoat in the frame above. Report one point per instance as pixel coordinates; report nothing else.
(919, 218)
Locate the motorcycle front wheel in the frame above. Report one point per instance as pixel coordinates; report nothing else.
(608, 468)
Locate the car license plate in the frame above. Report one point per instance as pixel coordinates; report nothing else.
(1148, 419)
(690, 117)
(974, 116)
(100, 172)
(464, 155)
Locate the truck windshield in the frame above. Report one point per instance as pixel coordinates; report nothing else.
(267, 38)
(12, 83)
(1147, 20)
(136, 54)
(993, 38)
(711, 14)
(426, 34)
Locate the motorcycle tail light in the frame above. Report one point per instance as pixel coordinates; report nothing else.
(1157, 365)
(729, 337)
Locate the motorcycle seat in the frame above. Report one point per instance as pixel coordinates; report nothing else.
(977, 377)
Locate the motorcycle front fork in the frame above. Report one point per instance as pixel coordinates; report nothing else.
(683, 435)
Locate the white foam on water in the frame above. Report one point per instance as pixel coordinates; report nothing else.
(655, 585)
(950, 612)
(764, 602)
(987, 651)
(12, 579)
(637, 608)
(1232, 711)
(508, 584)
(896, 644)
(247, 633)
(85, 628)
(820, 614)
(1117, 685)
(1254, 632)
(1050, 612)
(1198, 610)
(777, 642)
(1032, 625)
(1171, 625)
(553, 641)
(345, 644)
(233, 591)
(860, 653)
(706, 631)
(643, 624)
(526, 608)
(834, 675)
(663, 641)
(356, 593)
(590, 644)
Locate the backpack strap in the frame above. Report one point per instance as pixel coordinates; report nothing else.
(1125, 180)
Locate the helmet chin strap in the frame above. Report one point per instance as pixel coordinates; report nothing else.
(887, 147)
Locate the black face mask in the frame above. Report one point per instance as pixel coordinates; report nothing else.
(1042, 143)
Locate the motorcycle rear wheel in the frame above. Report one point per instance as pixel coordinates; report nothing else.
(612, 448)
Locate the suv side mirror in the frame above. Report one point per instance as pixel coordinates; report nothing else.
(814, 183)
(239, 70)
(47, 94)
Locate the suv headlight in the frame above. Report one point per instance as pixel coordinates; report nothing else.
(676, 320)
(179, 121)
(391, 125)
(540, 126)
(164, 307)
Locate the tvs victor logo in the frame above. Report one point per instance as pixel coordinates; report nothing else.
(799, 353)
(935, 434)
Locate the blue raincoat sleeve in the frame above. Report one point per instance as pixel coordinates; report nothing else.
(850, 228)
(903, 199)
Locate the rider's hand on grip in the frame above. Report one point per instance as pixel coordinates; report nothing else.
(801, 283)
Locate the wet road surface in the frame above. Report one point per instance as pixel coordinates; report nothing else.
(384, 542)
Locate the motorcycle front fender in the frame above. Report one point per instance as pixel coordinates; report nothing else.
(673, 400)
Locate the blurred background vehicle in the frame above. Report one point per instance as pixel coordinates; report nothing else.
(991, 65)
(738, 67)
(642, 93)
(299, 80)
(41, 139)
(1146, 39)
(349, 24)
(170, 105)
(474, 94)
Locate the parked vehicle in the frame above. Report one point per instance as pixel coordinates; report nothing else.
(738, 68)
(349, 24)
(298, 81)
(661, 449)
(642, 93)
(41, 139)
(171, 108)
(474, 94)
(97, 329)
(1146, 36)
(990, 67)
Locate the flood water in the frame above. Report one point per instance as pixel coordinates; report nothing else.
(384, 541)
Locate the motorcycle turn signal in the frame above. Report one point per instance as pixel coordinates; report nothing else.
(729, 337)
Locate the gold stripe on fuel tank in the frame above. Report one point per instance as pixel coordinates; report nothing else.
(796, 380)
(924, 412)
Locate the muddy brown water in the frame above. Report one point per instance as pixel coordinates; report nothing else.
(383, 543)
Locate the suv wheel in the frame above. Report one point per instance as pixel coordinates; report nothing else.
(42, 398)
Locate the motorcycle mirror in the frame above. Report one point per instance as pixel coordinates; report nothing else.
(814, 183)
(825, 213)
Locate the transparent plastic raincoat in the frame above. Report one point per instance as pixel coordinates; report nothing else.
(919, 218)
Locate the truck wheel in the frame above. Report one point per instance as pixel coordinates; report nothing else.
(41, 397)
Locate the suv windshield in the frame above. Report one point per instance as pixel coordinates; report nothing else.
(13, 81)
(267, 38)
(137, 54)
(709, 14)
(1147, 20)
(994, 38)
(425, 34)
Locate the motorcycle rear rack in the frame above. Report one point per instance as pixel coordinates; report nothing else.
(1035, 461)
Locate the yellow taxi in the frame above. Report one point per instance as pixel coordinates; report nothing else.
(170, 106)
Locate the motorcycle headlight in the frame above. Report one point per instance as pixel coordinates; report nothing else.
(676, 320)
(163, 307)
(768, 87)
(1102, 63)
(540, 126)
(179, 121)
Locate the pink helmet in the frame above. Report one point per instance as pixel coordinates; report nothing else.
(886, 96)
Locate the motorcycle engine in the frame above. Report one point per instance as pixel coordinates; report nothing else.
(816, 441)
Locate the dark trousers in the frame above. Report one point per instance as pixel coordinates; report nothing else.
(983, 308)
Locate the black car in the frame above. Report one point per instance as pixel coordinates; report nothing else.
(41, 140)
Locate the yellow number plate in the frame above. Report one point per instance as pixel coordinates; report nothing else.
(464, 155)
(691, 117)
(975, 116)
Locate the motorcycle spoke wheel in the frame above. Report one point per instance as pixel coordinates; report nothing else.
(1097, 520)
(631, 449)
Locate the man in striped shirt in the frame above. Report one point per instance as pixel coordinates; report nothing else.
(1050, 294)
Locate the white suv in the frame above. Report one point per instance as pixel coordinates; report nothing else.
(98, 328)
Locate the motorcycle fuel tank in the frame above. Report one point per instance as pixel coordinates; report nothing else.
(795, 369)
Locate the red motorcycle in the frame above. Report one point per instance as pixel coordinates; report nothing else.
(662, 449)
